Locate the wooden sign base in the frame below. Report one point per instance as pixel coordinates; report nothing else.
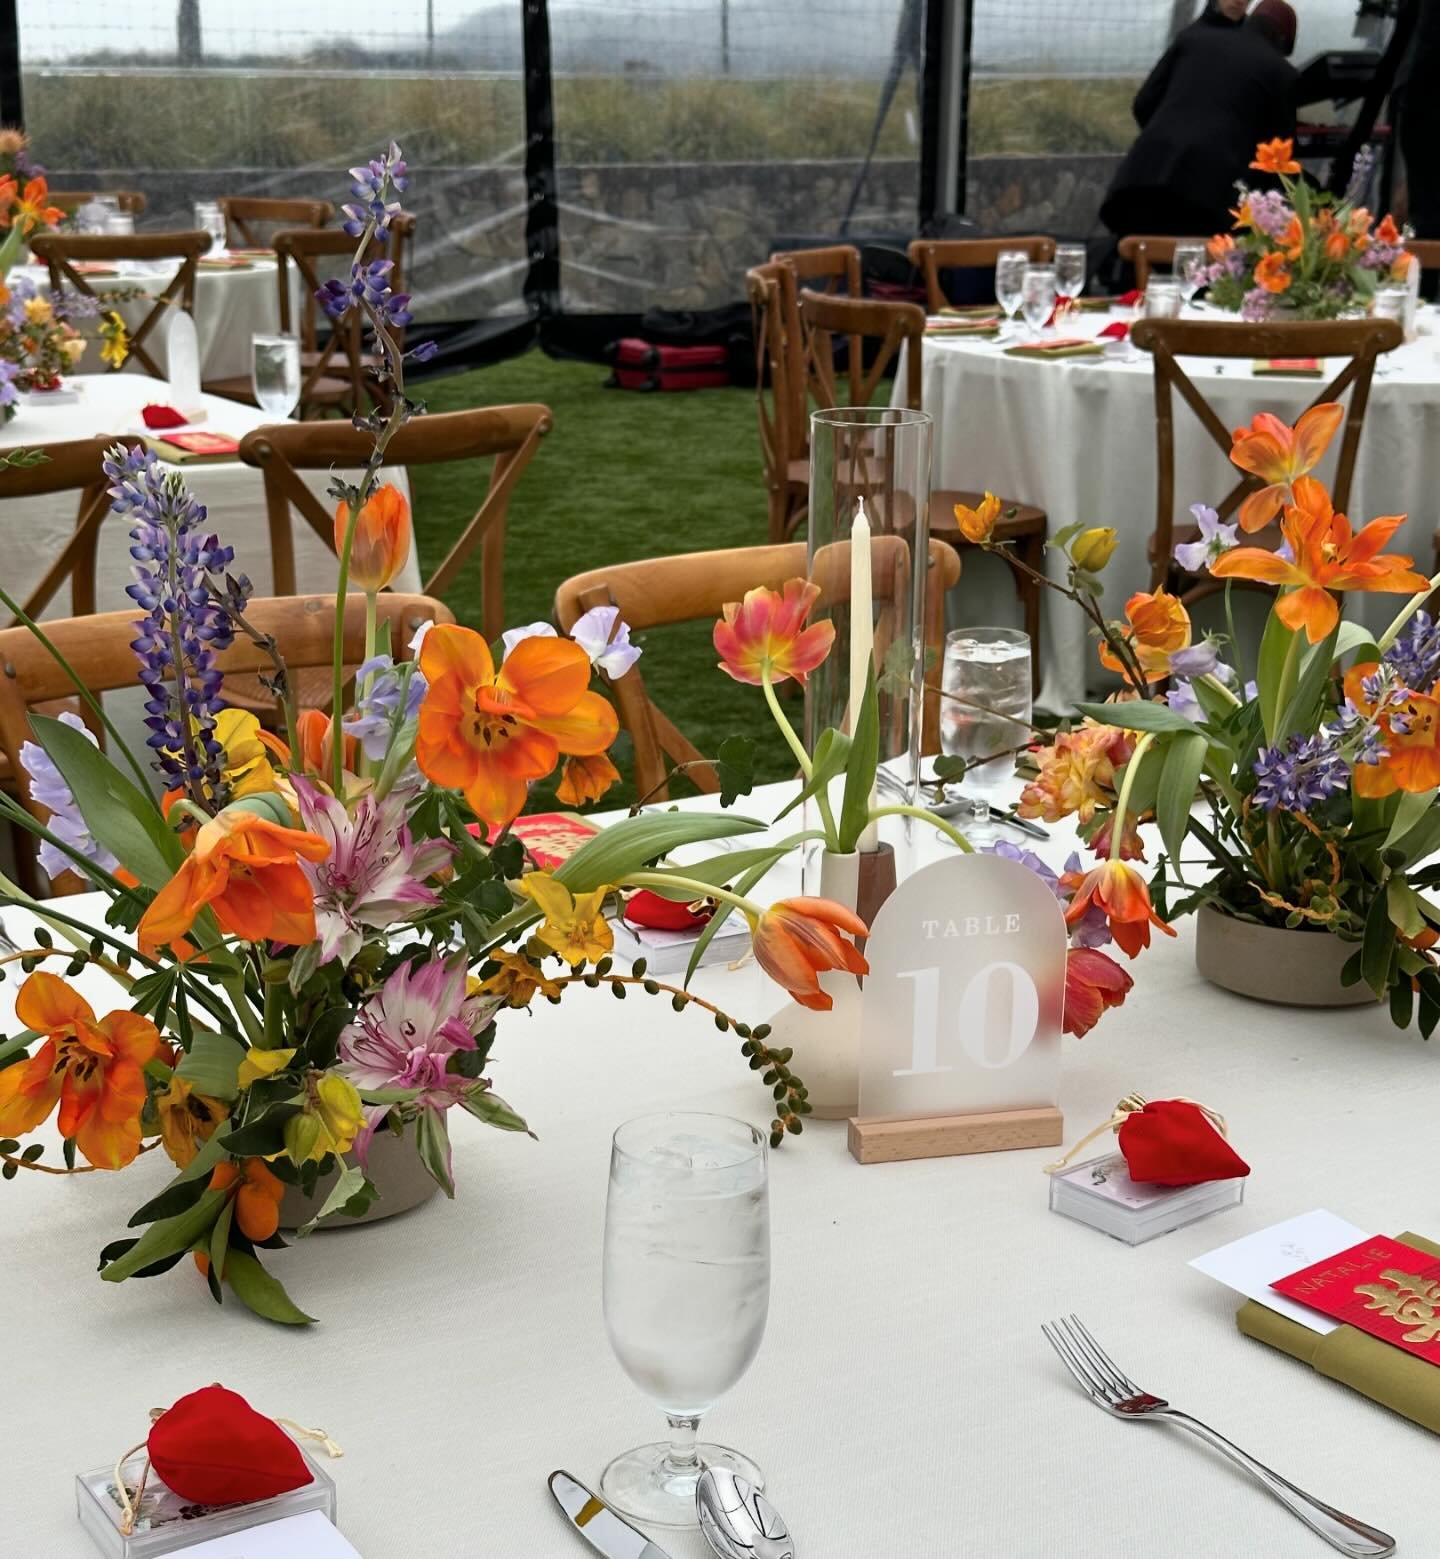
(888, 1142)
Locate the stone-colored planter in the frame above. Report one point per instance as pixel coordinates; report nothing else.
(396, 1173)
(1292, 968)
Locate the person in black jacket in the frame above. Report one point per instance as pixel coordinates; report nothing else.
(1215, 94)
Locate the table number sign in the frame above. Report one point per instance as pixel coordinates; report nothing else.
(960, 1023)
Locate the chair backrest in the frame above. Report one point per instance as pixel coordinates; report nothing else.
(695, 586)
(61, 252)
(930, 256)
(509, 434)
(67, 468)
(318, 253)
(835, 270)
(1426, 251)
(1359, 342)
(774, 397)
(252, 220)
(70, 200)
(893, 325)
(1144, 250)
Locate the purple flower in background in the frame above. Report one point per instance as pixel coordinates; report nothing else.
(1306, 771)
(1270, 212)
(422, 353)
(8, 392)
(1029, 859)
(372, 184)
(1215, 540)
(48, 787)
(1415, 655)
(1360, 171)
(1257, 307)
(379, 712)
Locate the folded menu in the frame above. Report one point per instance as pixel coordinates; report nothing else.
(971, 311)
(1288, 367)
(226, 262)
(93, 268)
(949, 325)
(1070, 346)
(188, 448)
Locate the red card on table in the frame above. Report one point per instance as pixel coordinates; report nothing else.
(1390, 1290)
(203, 443)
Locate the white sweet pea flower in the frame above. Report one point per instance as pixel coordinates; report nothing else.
(418, 638)
(513, 636)
(606, 641)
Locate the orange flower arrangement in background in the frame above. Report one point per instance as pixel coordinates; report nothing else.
(1159, 625)
(1277, 156)
(765, 635)
(382, 538)
(1279, 455)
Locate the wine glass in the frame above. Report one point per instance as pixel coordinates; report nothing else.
(1009, 279)
(985, 713)
(1037, 297)
(1071, 263)
(275, 373)
(687, 1290)
(1186, 268)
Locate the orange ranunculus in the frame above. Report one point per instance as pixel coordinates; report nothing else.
(1337, 246)
(586, 779)
(798, 939)
(1077, 773)
(1273, 273)
(93, 1068)
(1277, 156)
(257, 1193)
(489, 732)
(244, 867)
(978, 524)
(1120, 893)
(1159, 625)
(1093, 983)
(1387, 232)
(1410, 736)
(382, 537)
(1329, 555)
(1279, 455)
(766, 634)
(1292, 241)
(1219, 246)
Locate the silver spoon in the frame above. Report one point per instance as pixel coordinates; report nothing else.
(737, 1520)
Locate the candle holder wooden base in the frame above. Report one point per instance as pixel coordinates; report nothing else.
(941, 1136)
(876, 884)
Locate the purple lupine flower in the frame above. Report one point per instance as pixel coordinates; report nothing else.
(422, 353)
(372, 184)
(183, 628)
(1415, 655)
(1027, 858)
(390, 701)
(1257, 306)
(1270, 212)
(48, 787)
(1360, 171)
(376, 873)
(8, 372)
(1215, 540)
(1307, 771)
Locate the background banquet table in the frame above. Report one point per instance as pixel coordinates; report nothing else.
(1076, 436)
(903, 1402)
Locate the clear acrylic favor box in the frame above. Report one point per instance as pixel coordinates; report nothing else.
(1101, 1193)
(167, 1523)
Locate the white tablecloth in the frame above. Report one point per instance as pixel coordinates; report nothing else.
(1077, 437)
(903, 1402)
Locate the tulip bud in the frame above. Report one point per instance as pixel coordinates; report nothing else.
(302, 1137)
(382, 538)
(1093, 549)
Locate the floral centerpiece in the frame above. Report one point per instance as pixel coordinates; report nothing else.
(1301, 252)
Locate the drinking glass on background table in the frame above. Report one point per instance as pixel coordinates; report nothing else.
(986, 714)
(209, 218)
(1162, 298)
(275, 373)
(1010, 266)
(1072, 261)
(1186, 268)
(687, 1291)
(1037, 297)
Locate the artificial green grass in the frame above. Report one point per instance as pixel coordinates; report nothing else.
(621, 476)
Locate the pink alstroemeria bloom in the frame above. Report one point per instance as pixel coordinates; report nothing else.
(375, 875)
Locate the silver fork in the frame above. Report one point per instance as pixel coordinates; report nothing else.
(1108, 1386)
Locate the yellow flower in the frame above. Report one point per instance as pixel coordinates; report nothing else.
(74, 349)
(261, 1063)
(574, 926)
(247, 763)
(978, 524)
(39, 311)
(115, 342)
(329, 1123)
(1093, 549)
(517, 980)
(187, 1119)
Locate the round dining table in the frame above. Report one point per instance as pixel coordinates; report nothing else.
(1076, 437)
(903, 1402)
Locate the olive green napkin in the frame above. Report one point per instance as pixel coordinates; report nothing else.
(1050, 351)
(1395, 1379)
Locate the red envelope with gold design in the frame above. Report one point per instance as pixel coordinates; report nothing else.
(1390, 1290)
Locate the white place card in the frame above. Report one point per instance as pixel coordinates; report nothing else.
(1252, 1264)
(309, 1536)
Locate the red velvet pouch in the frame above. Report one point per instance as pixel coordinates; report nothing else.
(213, 1448)
(157, 415)
(1174, 1142)
(660, 914)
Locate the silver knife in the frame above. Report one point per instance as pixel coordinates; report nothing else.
(594, 1520)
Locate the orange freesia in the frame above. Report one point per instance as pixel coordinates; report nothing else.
(586, 779)
(1219, 246)
(1120, 893)
(257, 1193)
(1273, 273)
(1093, 983)
(797, 939)
(1279, 454)
(1387, 232)
(1277, 156)
(978, 524)
(489, 732)
(1077, 773)
(765, 634)
(1411, 738)
(1159, 625)
(245, 868)
(93, 1068)
(1329, 555)
(382, 537)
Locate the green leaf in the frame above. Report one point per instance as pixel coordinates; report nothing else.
(1377, 945)
(860, 772)
(1420, 841)
(493, 1110)
(166, 1236)
(1413, 805)
(1145, 788)
(832, 753)
(1269, 665)
(175, 1198)
(1303, 711)
(1402, 1004)
(735, 769)
(718, 871)
(1139, 716)
(351, 1195)
(432, 1142)
(1184, 759)
(626, 845)
(116, 811)
(719, 918)
(220, 1238)
(211, 1064)
(253, 1286)
(1403, 905)
(1354, 636)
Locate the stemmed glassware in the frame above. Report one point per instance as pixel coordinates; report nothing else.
(1186, 268)
(687, 1291)
(985, 714)
(210, 218)
(275, 373)
(1071, 264)
(1010, 265)
(1037, 297)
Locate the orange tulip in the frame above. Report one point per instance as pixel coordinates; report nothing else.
(1279, 454)
(977, 525)
(382, 538)
(1292, 241)
(245, 868)
(586, 779)
(1411, 738)
(797, 939)
(93, 1069)
(1093, 983)
(1337, 246)
(766, 633)
(1120, 893)
(1277, 156)
(1328, 556)
(1387, 232)
(316, 731)
(1219, 246)
(489, 732)
(1159, 625)
(1359, 222)
(1273, 273)
(257, 1194)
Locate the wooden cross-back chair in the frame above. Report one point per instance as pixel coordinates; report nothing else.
(71, 200)
(1146, 250)
(696, 586)
(930, 256)
(62, 251)
(252, 220)
(508, 434)
(782, 442)
(903, 324)
(1359, 342)
(1426, 251)
(835, 271)
(98, 650)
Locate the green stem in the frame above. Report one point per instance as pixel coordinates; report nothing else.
(1122, 801)
(786, 729)
(371, 597)
(925, 816)
(1212, 681)
(1240, 676)
(1412, 606)
(1288, 672)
